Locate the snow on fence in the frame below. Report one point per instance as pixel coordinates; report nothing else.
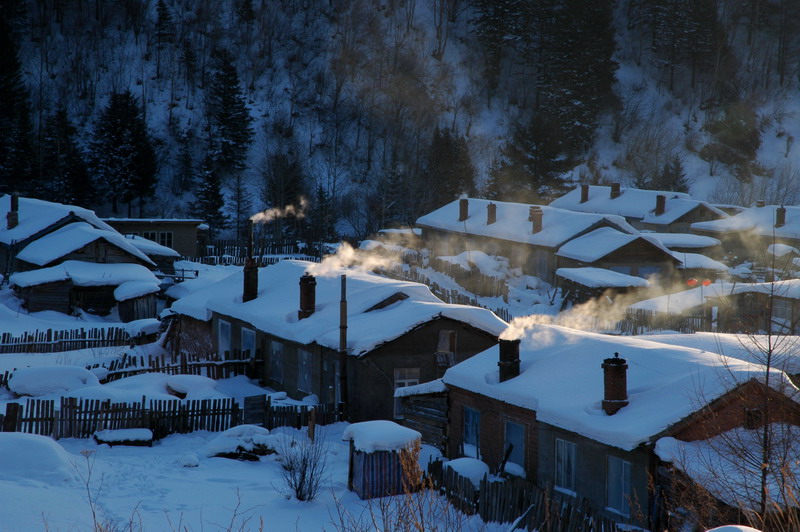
(514, 498)
(81, 418)
(51, 341)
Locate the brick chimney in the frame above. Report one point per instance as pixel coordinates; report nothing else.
(250, 288)
(509, 359)
(491, 214)
(308, 296)
(761, 203)
(615, 190)
(584, 193)
(780, 216)
(661, 204)
(463, 209)
(13, 214)
(615, 384)
(535, 215)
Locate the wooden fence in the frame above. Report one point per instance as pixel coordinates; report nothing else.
(81, 418)
(515, 498)
(641, 321)
(51, 341)
(214, 366)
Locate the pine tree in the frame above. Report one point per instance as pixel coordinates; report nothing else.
(209, 204)
(450, 171)
(229, 117)
(283, 183)
(241, 207)
(16, 129)
(672, 177)
(64, 167)
(122, 156)
(184, 177)
(165, 32)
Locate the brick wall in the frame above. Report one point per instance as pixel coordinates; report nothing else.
(494, 414)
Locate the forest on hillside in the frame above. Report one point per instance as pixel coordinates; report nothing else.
(346, 116)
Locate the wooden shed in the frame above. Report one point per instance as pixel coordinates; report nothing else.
(383, 458)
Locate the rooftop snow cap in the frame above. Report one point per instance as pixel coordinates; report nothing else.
(661, 204)
(780, 216)
(615, 190)
(12, 218)
(308, 296)
(463, 209)
(535, 216)
(615, 384)
(491, 214)
(509, 359)
(584, 193)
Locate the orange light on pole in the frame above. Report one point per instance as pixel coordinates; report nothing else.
(691, 282)
(706, 282)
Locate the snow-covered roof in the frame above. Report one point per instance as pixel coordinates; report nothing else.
(789, 288)
(562, 380)
(781, 250)
(133, 289)
(698, 261)
(684, 300)
(434, 386)
(601, 278)
(601, 242)
(558, 225)
(71, 237)
(760, 220)
(274, 311)
(633, 203)
(380, 435)
(36, 215)
(150, 248)
(86, 274)
(684, 240)
(155, 220)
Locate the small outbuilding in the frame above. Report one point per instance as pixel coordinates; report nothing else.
(383, 458)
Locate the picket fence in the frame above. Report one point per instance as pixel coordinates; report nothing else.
(51, 341)
(81, 418)
(214, 366)
(517, 499)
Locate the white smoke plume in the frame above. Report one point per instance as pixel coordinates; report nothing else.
(348, 257)
(298, 211)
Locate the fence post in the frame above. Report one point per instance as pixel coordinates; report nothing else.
(12, 415)
(312, 423)
(268, 414)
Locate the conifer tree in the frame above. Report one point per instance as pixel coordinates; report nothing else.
(209, 204)
(64, 167)
(450, 171)
(122, 156)
(672, 177)
(230, 120)
(16, 129)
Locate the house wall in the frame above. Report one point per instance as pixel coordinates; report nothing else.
(371, 377)
(750, 313)
(94, 299)
(493, 415)
(184, 234)
(191, 335)
(591, 471)
(138, 308)
(98, 251)
(48, 296)
(637, 255)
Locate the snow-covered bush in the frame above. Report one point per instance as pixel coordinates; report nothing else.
(304, 464)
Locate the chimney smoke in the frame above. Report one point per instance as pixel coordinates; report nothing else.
(491, 214)
(615, 384)
(463, 209)
(12, 218)
(661, 204)
(780, 216)
(584, 193)
(308, 296)
(509, 359)
(615, 190)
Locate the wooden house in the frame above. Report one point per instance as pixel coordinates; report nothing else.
(689, 243)
(653, 210)
(387, 334)
(579, 285)
(638, 255)
(758, 308)
(584, 412)
(184, 235)
(748, 235)
(528, 235)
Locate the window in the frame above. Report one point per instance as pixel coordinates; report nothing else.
(565, 465)
(781, 316)
(223, 337)
(403, 377)
(150, 235)
(472, 432)
(753, 418)
(645, 272)
(515, 438)
(621, 269)
(276, 361)
(619, 485)
(446, 349)
(249, 341)
(165, 238)
(303, 370)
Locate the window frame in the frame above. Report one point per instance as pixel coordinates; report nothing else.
(564, 481)
(304, 373)
(244, 344)
(221, 326)
(276, 361)
(623, 498)
(403, 377)
(471, 417)
(519, 451)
